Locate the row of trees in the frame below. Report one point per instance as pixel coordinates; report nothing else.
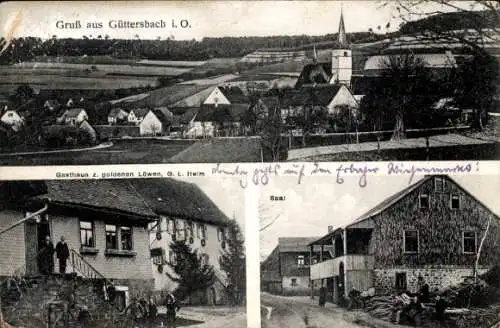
(194, 276)
(23, 49)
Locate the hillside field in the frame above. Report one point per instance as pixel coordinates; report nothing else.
(101, 72)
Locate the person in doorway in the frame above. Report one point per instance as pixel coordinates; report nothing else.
(62, 253)
(45, 257)
(172, 307)
(322, 296)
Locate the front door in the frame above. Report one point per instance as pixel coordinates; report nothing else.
(35, 233)
(340, 283)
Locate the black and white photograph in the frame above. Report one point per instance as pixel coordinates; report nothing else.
(122, 253)
(391, 254)
(243, 81)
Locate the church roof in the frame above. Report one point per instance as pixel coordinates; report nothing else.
(342, 38)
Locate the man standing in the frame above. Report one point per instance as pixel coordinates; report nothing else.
(62, 251)
(46, 257)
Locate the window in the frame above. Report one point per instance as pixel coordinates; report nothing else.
(294, 281)
(180, 230)
(190, 230)
(10, 115)
(204, 259)
(455, 201)
(439, 184)
(423, 201)
(345, 53)
(87, 234)
(401, 281)
(411, 241)
(126, 238)
(469, 242)
(203, 230)
(300, 260)
(111, 241)
(172, 258)
(157, 256)
(221, 234)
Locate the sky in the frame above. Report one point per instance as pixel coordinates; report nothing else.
(309, 208)
(206, 18)
(226, 193)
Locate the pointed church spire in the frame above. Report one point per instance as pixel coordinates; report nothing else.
(342, 38)
(315, 54)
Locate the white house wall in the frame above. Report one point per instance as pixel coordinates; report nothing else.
(12, 246)
(343, 97)
(112, 267)
(201, 129)
(12, 118)
(150, 125)
(212, 247)
(216, 97)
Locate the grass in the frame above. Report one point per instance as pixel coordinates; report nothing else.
(130, 153)
(463, 153)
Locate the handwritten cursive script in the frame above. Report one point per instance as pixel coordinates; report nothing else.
(261, 174)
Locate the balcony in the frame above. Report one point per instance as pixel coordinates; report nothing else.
(330, 268)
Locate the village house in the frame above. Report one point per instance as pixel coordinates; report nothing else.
(117, 116)
(433, 229)
(183, 120)
(73, 117)
(226, 96)
(286, 270)
(104, 222)
(136, 115)
(51, 105)
(185, 214)
(12, 118)
(223, 120)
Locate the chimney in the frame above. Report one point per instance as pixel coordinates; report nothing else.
(330, 229)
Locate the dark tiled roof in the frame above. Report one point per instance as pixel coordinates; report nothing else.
(140, 197)
(319, 95)
(176, 198)
(315, 73)
(114, 112)
(118, 195)
(140, 112)
(73, 112)
(234, 94)
(164, 115)
(270, 102)
(295, 244)
(222, 113)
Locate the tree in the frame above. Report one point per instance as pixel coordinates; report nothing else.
(477, 82)
(405, 88)
(233, 263)
(189, 272)
(473, 24)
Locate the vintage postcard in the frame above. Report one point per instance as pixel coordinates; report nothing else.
(122, 253)
(242, 81)
(391, 254)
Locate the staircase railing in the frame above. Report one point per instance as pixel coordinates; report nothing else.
(84, 267)
(88, 271)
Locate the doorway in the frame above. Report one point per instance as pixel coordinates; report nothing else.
(341, 280)
(35, 233)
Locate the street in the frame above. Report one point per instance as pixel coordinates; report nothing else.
(212, 316)
(302, 312)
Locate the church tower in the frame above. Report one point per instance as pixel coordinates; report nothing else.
(341, 57)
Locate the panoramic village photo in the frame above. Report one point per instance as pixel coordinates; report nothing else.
(122, 253)
(392, 254)
(321, 81)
